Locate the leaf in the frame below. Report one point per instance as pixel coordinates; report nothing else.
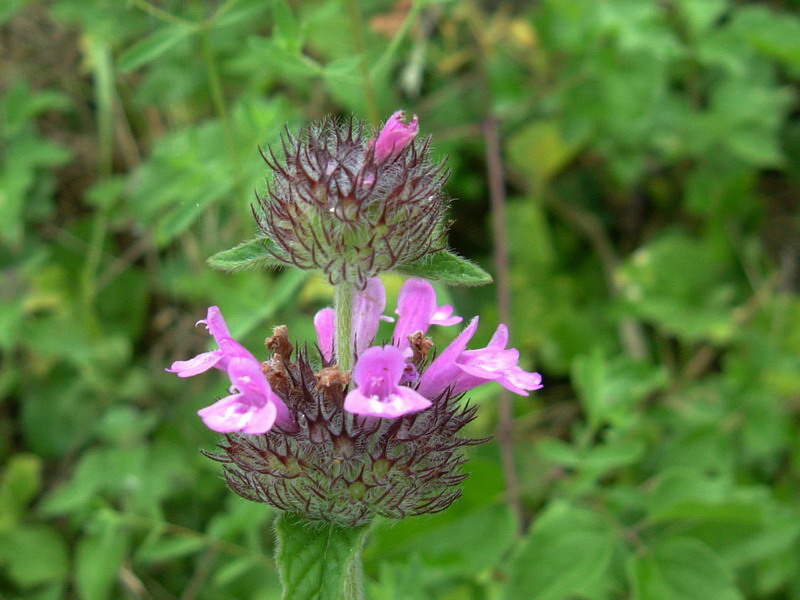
(567, 550)
(98, 558)
(20, 481)
(154, 45)
(253, 254)
(448, 268)
(682, 569)
(33, 554)
(312, 561)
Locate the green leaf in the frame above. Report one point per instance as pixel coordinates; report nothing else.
(98, 558)
(682, 569)
(20, 481)
(33, 554)
(448, 268)
(567, 551)
(153, 46)
(253, 254)
(318, 563)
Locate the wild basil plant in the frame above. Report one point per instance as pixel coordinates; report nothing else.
(352, 430)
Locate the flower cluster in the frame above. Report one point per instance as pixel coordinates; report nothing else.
(341, 447)
(353, 205)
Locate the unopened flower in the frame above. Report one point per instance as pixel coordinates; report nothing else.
(351, 205)
(394, 136)
(378, 392)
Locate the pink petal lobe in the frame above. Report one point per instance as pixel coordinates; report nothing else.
(199, 364)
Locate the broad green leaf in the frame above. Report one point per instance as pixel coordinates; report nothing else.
(20, 481)
(253, 254)
(98, 558)
(567, 550)
(154, 45)
(33, 554)
(313, 561)
(448, 268)
(681, 569)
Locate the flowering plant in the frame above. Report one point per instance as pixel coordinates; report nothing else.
(361, 429)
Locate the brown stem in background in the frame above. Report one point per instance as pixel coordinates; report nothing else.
(497, 194)
(631, 333)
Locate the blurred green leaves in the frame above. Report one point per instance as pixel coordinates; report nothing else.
(651, 167)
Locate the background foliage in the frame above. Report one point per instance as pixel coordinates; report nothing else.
(652, 159)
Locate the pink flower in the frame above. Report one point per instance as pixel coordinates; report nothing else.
(394, 136)
(378, 392)
(252, 407)
(418, 310)
(461, 370)
(228, 348)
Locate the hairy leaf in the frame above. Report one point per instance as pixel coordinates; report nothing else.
(448, 268)
(253, 254)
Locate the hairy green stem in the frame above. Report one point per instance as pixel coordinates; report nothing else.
(343, 301)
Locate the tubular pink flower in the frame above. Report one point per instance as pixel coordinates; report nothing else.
(228, 349)
(368, 306)
(461, 370)
(325, 324)
(378, 392)
(252, 409)
(395, 136)
(417, 310)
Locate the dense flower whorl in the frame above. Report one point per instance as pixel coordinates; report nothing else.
(345, 468)
(344, 447)
(352, 204)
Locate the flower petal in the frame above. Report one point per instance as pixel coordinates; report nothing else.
(199, 364)
(216, 324)
(443, 371)
(325, 324)
(415, 305)
(235, 413)
(402, 401)
(379, 369)
(368, 306)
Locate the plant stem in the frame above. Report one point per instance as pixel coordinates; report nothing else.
(353, 587)
(343, 302)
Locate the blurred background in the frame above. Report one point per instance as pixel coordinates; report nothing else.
(650, 155)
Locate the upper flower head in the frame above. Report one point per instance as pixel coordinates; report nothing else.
(352, 205)
(378, 392)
